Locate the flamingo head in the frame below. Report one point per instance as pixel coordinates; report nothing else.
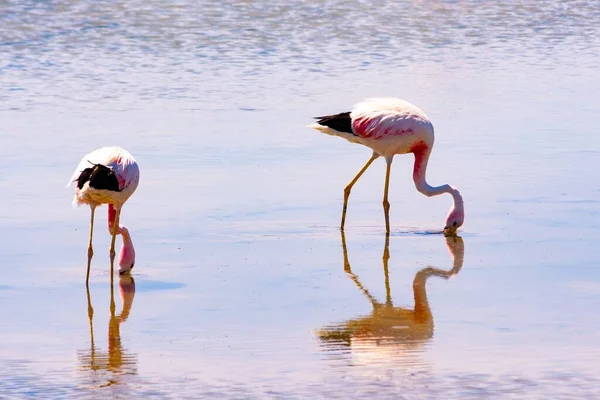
(127, 253)
(454, 220)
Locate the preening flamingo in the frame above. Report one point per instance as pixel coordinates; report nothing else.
(108, 175)
(392, 126)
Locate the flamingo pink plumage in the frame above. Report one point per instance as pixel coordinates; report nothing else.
(392, 126)
(108, 175)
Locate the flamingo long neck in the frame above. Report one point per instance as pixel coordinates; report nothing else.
(127, 252)
(112, 214)
(419, 176)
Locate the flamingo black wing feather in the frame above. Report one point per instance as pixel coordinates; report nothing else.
(340, 122)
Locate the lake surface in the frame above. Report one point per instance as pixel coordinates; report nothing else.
(243, 285)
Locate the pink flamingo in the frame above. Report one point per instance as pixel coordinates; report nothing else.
(108, 175)
(392, 126)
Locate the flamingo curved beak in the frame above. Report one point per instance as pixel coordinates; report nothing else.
(125, 270)
(450, 230)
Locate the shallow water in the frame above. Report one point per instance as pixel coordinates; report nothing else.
(242, 285)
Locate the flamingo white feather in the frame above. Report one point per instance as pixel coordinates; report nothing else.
(391, 126)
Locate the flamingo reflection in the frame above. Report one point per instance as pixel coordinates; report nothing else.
(108, 368)
(389, 328)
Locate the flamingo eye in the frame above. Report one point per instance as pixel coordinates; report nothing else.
(454, 224)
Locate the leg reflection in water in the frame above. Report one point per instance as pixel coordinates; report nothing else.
(389, 328)
(110, 368)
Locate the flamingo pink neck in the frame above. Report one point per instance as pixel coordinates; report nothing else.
(127, 253)
(419, 176)
(112, 213)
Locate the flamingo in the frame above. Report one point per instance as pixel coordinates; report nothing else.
(390, 126)
(108, 175)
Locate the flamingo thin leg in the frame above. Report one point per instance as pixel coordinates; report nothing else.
(348, 188)
(90, 248)
(386, 203)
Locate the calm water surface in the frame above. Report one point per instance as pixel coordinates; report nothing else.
(243, 286)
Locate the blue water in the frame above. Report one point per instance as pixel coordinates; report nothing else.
(235, 222)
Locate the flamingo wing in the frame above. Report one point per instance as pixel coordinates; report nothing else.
(340, 122)
(122, 164)
(382, 117)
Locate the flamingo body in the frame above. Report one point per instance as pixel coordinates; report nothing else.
(390, 126)
(109, 175)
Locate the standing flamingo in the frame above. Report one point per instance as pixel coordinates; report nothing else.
(392, 126)
(108, 175)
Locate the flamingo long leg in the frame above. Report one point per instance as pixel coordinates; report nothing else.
(386, 203)
(90, 248)
(348, 188)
